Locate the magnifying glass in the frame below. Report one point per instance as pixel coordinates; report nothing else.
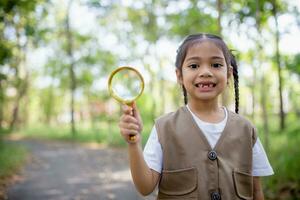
(126, 84)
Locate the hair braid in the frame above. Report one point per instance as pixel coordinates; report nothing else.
(236, 82)
(184, 95)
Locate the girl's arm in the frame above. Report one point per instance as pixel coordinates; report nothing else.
(257, 189)
(144, 178)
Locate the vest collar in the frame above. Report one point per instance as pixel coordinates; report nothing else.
(225, 132)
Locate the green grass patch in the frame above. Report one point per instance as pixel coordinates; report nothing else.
(104, 133)
(12, 157)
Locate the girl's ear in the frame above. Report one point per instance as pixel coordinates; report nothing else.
(179, 76)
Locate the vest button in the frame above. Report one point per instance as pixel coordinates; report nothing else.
(215, 196)
(212, 155)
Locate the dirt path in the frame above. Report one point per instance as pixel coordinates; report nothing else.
(66, 171)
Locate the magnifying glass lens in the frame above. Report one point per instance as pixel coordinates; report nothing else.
(126, 84)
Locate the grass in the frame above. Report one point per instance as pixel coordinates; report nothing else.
(284, 157)
(11, 158)
(103, 133)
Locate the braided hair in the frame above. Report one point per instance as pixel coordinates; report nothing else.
(236, 81)
(229, 59)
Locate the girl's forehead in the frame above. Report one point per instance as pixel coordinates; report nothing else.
(204, 48)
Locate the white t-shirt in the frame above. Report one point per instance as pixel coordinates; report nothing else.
(154, 157)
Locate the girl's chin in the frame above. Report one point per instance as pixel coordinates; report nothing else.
(206, 97)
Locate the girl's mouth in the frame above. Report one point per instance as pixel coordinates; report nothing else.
(205, 85)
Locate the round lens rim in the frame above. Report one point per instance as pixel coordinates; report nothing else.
(111, 91)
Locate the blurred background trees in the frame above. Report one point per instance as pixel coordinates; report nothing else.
(55, 58)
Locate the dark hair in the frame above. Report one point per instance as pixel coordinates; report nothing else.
(229, 59)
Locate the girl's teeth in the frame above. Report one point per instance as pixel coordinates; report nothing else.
(205, 85)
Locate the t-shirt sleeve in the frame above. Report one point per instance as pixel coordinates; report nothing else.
(153, 152)
(261, 164)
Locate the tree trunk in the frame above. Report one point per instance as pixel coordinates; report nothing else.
(263, 97)
(253, 93)
(162, 89)
(71, 69)
(281, 114)
(21, 85)
(152, 91)
(22, 88)
(1, 101)
(253, 89)
(264, 112)
(151, 87)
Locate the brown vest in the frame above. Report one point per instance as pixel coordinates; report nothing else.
(193, 170)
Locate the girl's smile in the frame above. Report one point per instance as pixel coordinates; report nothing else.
(205, 86)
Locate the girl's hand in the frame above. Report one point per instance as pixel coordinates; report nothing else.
(131, 123)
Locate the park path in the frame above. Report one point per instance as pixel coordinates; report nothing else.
(69, 171)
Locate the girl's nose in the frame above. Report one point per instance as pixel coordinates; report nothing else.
(205, 72)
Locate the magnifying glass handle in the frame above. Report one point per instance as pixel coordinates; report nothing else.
(132, 137)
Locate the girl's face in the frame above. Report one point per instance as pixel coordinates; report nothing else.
(204, 71)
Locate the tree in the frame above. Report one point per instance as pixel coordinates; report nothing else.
(259, 23)
(77, 61)
(2, 97)
(275, 12)
(69, 39)
(293, 65)
(18, 16)
(192, 19)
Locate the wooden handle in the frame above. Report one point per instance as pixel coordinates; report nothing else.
(132, 137)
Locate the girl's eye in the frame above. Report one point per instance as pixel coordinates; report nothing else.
(193, 66)
(216, 65)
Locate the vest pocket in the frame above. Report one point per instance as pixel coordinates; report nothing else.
(243, 183)
(178, 184)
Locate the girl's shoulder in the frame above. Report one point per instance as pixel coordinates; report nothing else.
(240, 122)
(240, 119)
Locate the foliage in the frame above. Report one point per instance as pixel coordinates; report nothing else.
(10, 162)
(285, 159)
(190, 20)
(18, 25)
(293, 64)
(16, 13)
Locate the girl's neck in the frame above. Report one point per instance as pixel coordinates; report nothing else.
(209, 111)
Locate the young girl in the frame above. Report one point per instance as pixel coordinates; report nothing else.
(201, 151)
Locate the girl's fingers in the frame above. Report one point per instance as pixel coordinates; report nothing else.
(131, 126)
(130, 123)
(128, 132)
(128, 119)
